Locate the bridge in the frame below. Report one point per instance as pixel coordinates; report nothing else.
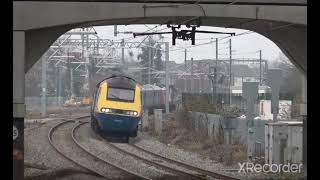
(37, 24)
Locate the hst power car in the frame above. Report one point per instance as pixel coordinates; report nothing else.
(117, 107)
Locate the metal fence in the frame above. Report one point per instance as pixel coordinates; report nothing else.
(258, 152)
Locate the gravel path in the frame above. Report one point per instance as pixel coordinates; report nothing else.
(98, 146)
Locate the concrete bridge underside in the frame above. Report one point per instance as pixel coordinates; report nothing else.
(44, 22)
(36, 25)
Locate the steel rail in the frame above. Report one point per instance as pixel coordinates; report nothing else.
(150, 162)
(63, 154)
(202, 171)
(105, 161)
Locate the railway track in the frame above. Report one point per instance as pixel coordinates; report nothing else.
(28, 129)
(186, 174)
(180, 173)
(191, 172)
(97, 165)
(187, 166)
(187, 171)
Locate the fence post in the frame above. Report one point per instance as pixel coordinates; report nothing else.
(145, 119)
(228, 140)
(158, 121)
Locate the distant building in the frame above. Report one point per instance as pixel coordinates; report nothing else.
(202, 73)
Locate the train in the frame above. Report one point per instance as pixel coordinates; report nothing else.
(117, 107)
(153, 97)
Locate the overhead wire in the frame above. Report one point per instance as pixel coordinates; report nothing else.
(130, 38)
(206, 43)
(193, 46)
(220, 38)
(195, 17)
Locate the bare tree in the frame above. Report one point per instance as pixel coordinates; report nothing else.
(291, 82)
(285, 113)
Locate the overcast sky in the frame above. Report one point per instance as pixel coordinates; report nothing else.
(243, 46)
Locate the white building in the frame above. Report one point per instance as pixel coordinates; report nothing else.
(284, 110)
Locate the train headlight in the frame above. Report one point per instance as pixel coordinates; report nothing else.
(130, 113)
(135, 113)
(105, 110)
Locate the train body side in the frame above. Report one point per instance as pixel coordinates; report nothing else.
(153, 99)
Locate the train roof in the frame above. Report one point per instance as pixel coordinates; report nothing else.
(120, 81)
(151, 87)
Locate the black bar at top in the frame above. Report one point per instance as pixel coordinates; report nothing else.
(179, 2)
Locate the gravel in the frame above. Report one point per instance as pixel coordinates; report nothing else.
(151, 144)
(32, 123)
(131, 149)
(98, 146)
(170, 151)
(57, 112)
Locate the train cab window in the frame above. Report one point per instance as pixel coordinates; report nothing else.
(118, 94)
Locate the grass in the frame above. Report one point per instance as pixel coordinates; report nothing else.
(182, 136)
(177, 131)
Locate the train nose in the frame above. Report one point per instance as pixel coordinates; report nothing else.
(117, 123)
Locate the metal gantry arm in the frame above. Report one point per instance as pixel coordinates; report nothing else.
(105, 56)
(106, 50)
(58, 47)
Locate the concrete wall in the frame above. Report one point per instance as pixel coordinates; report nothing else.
(61, 13)
(209, 125)
(284, 142)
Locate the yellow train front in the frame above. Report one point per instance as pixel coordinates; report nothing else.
(117, 108)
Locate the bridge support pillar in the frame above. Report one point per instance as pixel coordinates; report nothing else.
(250, 94)
(303, 112)
(18, 103)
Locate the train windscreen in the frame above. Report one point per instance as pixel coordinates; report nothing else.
(118, 94)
